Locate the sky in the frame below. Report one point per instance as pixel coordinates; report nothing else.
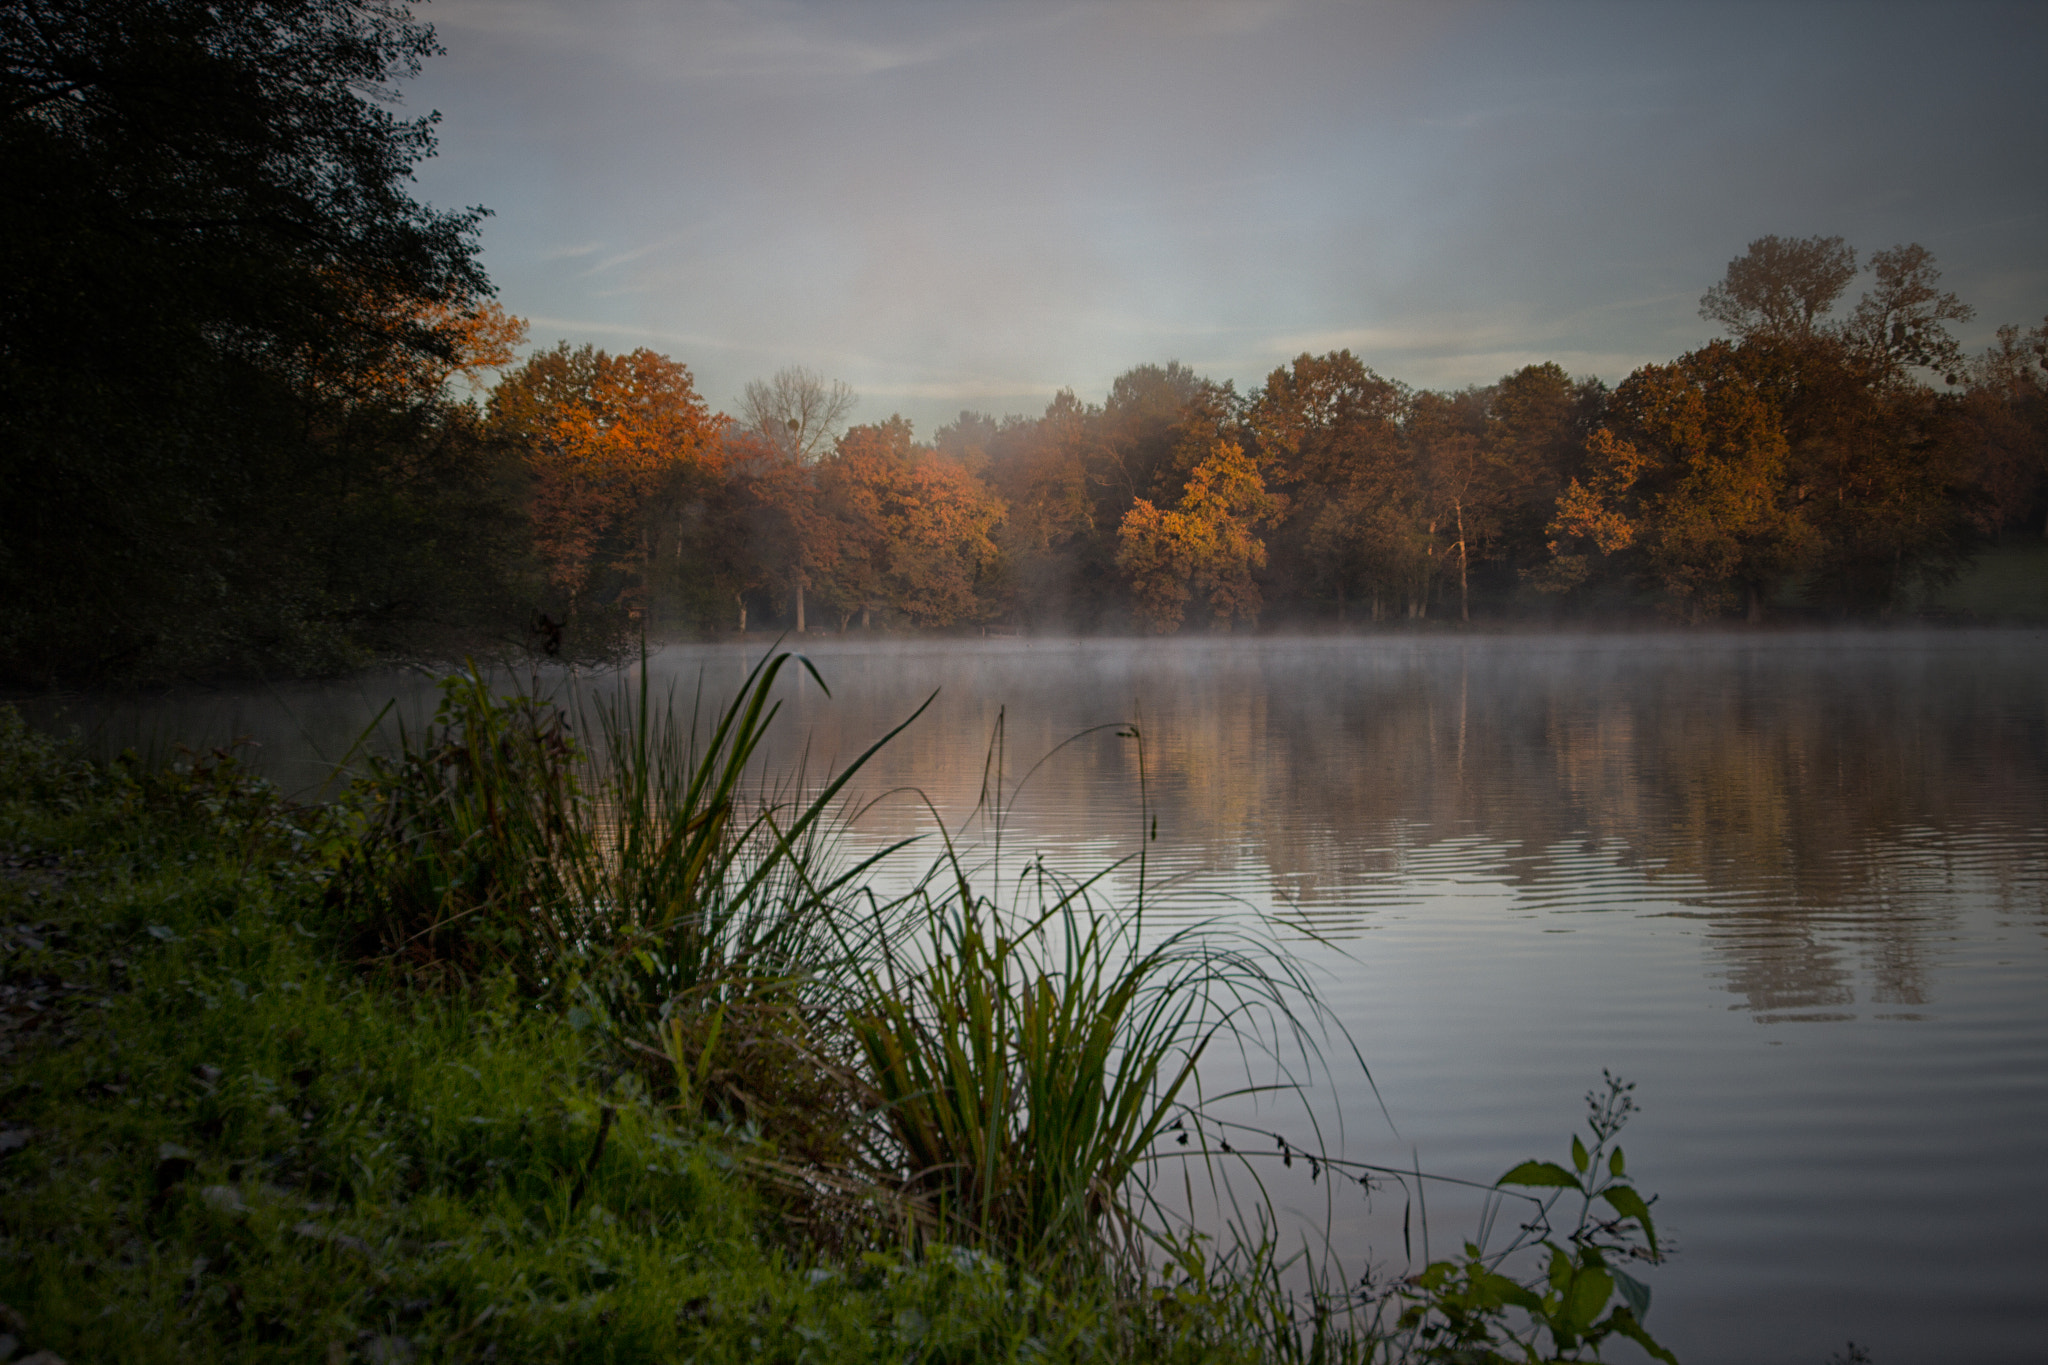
(971, 204)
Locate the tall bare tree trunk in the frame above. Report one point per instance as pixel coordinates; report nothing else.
(646, 580)
(1464, 601)
(799, 604)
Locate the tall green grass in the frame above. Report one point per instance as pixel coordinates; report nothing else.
(1028, 1065)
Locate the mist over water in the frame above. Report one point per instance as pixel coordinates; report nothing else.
(1794, 886)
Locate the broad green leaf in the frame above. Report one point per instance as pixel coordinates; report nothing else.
(1629, 1204)
(1579, 1157)
(1589, 1294)
(1634, 1292)
(1502, 1290)
(1561, 1268)
(1614, 1164)
(1436, 1276)
(1540, 1173)
(1624, 1322)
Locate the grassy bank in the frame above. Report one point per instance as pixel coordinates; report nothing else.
(538, 1047)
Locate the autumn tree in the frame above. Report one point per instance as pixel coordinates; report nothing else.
(451, 342)
(1328, 429)
(1137, 447)
(1690, 476)
(1536, 424)
(1069, 478)
(1872, 457)
(1461, 491)
(1901, 323)
(913, 529)
(607, 440)
(1049, 538)
(969, 440)
(1781, 287)
(1205, 544)
(800, 413)
(2002, 423)
(771, 528)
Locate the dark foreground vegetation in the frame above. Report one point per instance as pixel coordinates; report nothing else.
(248, 425)
(527, 1050)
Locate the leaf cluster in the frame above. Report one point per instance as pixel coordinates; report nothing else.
(1459, 1310)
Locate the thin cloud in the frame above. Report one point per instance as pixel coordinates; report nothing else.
(720, 42)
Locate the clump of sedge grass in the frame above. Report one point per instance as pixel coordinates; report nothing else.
(988, 1077)
(236, 1148)
(1028, 1063)
(1008, 1075)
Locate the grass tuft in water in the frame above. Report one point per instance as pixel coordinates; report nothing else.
(1029, 1064)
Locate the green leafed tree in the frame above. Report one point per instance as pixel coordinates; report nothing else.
(1329, 430)
(206, 217)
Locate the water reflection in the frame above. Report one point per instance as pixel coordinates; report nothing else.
(1819, 804)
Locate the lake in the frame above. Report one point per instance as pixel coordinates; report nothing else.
(1794, 886)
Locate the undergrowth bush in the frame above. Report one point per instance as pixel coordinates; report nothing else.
(466, 838)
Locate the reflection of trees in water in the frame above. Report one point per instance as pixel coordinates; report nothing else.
(1824, 812)
(1821, 812)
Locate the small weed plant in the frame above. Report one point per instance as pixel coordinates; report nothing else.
(1463, 1310)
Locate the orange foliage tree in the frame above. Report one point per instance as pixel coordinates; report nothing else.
(604, 438)
(1693, 474)
(1205, 544)
(440, 340)
(911, 530)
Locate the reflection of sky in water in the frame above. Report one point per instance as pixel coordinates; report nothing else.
(1795, 886)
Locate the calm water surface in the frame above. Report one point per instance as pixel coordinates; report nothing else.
(1795, 887)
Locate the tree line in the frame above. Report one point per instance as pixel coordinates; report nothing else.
(249, 425)
(1813, 458)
